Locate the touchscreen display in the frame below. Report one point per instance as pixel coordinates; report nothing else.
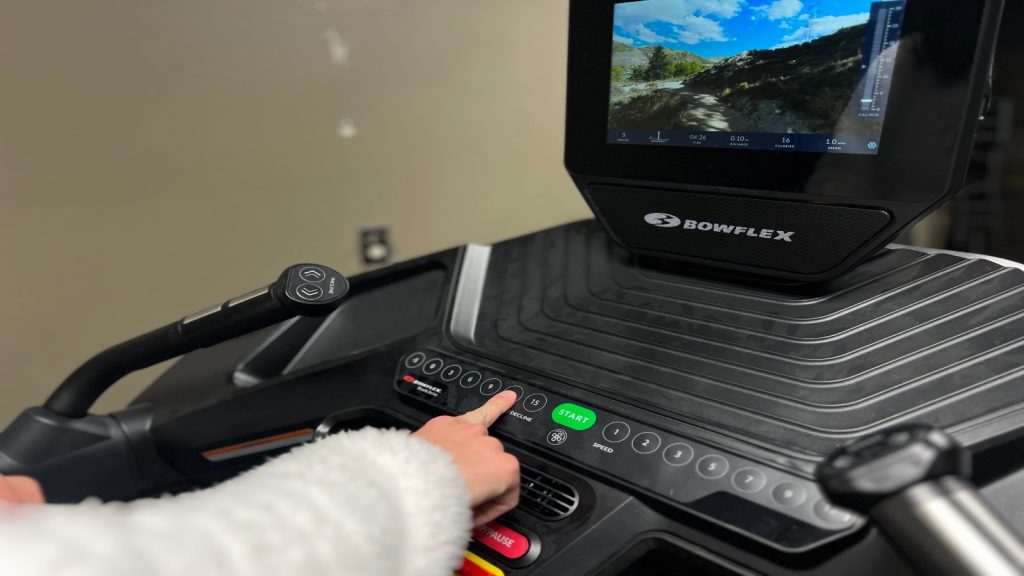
(784, 75)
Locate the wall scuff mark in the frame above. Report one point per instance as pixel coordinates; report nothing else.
(347, 128)
(337, 48)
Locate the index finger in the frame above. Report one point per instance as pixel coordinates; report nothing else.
(20, 490)
(489, 412)
(27, 489)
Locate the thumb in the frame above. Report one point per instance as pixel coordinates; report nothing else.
(494, 408)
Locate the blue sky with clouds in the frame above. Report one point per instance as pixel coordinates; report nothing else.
(712, 28)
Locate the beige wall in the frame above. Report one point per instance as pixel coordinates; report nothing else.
(159, 156)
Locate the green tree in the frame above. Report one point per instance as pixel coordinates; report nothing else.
(658, 65)
(638, 74)
(686, 69)
(618, 74)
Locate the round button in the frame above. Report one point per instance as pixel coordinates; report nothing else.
(646, 442)
(713, 466)
(557, 437)
(312, 274)
(451, 372)
(535, 402)
(415, 359)
(470, 379)
(678, 454)
(843, 461)
(490, 387)
(749, 480)
(309, 292)
(831, 514)
(616, 432)
(899, 438)
(789, 494)
(518, 390)
(433, 366)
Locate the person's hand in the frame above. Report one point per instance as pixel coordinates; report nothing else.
(20, 490)
(492, 475)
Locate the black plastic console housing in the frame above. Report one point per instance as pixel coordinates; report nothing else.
(838, 208)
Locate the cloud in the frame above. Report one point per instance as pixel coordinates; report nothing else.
(686, 21)
(673, 11)
(623, 39)
(697, 28)
(641, 33)
(823, 26)
(780, 9)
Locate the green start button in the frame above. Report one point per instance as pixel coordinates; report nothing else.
(573, 416)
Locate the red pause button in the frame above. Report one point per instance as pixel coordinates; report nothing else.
(503, 540)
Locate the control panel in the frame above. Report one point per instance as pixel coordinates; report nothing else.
(775, 507)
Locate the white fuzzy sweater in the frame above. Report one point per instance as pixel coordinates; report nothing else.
(373, 502)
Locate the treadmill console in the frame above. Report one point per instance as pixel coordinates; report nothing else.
(766, 504)
(667, 421)
(782, 139)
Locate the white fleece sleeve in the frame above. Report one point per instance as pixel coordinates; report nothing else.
(373, 502)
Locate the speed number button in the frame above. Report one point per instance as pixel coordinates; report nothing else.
(678, 454)
(712, 467)
(616, 431)
(646, 442)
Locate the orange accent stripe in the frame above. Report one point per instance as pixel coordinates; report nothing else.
(257, 442)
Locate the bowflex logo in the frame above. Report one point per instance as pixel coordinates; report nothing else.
(663, 220)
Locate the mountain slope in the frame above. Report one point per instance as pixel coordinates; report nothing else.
(629, 56)
(815, 79)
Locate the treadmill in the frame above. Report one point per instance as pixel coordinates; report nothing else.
(731, 370)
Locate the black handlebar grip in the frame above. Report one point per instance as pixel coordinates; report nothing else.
(301, 290)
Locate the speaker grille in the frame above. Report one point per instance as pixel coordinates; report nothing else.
(545, 496)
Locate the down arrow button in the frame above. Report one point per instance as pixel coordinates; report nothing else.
(309, 292)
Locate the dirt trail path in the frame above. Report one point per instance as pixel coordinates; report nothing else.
(675, 106)
(704, 110)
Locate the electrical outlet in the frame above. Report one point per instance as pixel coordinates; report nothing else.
(376, 245)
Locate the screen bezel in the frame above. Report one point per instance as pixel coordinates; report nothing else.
(944, 27)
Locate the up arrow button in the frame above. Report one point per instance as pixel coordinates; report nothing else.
(573, 416)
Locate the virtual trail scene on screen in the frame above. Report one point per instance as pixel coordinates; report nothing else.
(787, 75)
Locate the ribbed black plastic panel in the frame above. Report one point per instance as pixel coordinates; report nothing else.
(907, 336)
(545, 496)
